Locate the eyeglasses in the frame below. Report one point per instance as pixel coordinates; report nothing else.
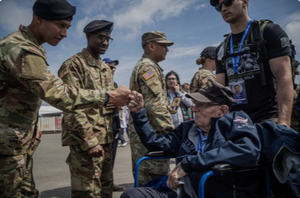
(227, 3)
(171, 79)
(199, 106)
(103, 38)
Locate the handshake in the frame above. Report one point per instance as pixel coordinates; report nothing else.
(124, 96)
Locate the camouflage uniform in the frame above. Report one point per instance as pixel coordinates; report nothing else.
(24, 81)
(148, 79)
(200, 78)
(88, 127)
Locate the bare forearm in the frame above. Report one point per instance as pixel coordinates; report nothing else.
(285, 100)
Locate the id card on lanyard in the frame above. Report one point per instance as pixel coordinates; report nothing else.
(238, 86)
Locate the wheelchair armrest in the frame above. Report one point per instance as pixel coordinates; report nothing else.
(221, 169)
(156, 154)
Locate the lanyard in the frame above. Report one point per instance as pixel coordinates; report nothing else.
(201, 144)
(236, 60)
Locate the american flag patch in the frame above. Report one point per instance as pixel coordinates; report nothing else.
(148, 75)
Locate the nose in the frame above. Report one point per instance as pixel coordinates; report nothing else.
(105, 42)
(64, 32)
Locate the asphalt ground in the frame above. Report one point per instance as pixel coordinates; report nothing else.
(51, 173)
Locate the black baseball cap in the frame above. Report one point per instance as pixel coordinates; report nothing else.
(208, 52)
(214, 2)
(214, 93)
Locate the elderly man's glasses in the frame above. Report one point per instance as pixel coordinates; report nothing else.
(227, 3)
(103, 38)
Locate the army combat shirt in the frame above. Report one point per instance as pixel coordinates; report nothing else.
(91, 125)
(24, 80)
(200, 78)
(148, 79)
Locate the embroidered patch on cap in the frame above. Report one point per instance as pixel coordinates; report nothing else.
(285, 42)
(241, 120)
(148, 75)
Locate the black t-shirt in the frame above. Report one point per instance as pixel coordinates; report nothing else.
(253, 88)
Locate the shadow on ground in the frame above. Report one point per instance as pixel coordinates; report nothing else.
(128, 185)
(57, 193)
(66, 191)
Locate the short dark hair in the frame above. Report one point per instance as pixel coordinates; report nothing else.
(172, 73)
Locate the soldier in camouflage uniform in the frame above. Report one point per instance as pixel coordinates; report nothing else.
(90, 163)
(207, 60)
(148, 79)
(24, 81)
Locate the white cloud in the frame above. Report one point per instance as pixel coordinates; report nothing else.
(147, 12)
(200, 6)
(181, 52)
(13, 14)
(293, 28)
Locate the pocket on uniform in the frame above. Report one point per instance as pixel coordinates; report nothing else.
(11, 142)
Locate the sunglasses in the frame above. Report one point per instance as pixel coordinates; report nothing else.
(227, 3)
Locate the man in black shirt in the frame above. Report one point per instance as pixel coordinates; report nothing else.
(265, 78)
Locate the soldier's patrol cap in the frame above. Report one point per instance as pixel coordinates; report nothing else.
(213, 93)
(98, 25)
(157, 37)
(54, 9)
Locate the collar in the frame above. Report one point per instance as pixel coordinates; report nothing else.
(90, 59)
(28, 35)
(155, 63)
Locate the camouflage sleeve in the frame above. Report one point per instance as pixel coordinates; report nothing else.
(199, 80)
(194, 83)
(81, 128)
(36, 77)
(155, 99)
(33, 146)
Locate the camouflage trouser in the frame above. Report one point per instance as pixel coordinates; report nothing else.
(149, 169)
(91, 177)
(107, 172)
(16, 179)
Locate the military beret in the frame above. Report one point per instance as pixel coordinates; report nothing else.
(54, 9)
(157, 37)
(98, 25)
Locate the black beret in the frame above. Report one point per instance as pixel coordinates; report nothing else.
(98, 25)
(54, 9)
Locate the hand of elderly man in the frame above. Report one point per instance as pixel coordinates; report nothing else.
(136, 102)
(174, 176)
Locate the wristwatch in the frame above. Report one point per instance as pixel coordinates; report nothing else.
(106, 100)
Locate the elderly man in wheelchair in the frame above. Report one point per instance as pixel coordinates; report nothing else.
(215, 136)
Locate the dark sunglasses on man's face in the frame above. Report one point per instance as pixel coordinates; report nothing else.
(227, 3)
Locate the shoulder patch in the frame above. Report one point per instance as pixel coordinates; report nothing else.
(149, 74)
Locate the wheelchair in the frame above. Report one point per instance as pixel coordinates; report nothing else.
(216, 170)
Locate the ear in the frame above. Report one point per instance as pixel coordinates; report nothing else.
(224, 110)
(246, 2)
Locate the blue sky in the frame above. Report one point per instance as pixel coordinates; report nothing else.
(191, 24)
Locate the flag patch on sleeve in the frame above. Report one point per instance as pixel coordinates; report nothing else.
(148, 75)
